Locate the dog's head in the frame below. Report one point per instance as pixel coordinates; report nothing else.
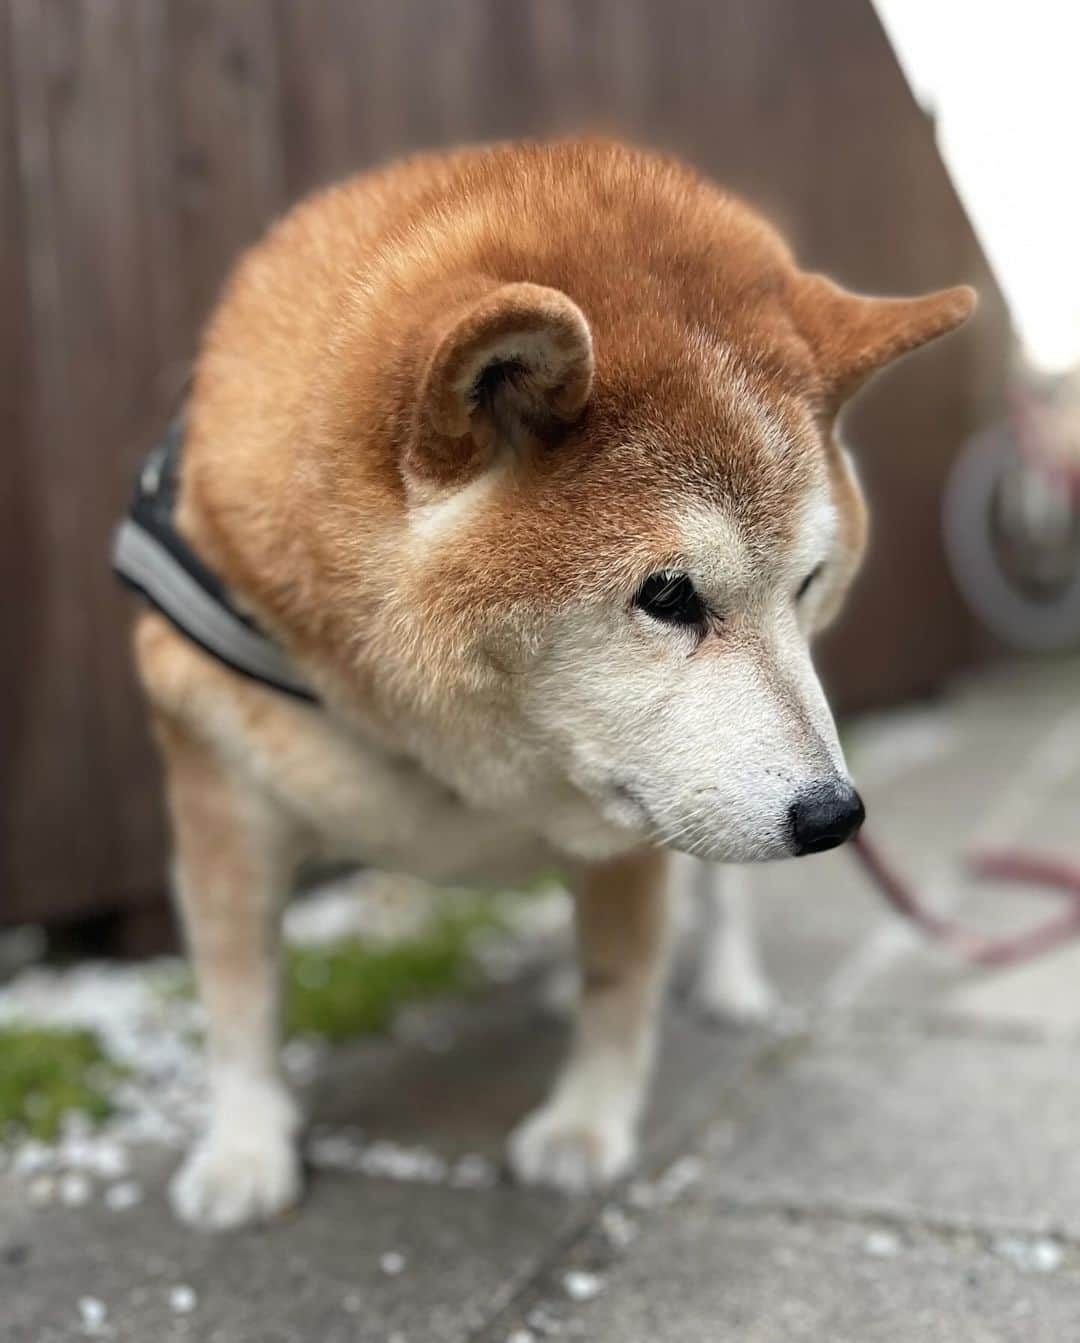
(629, 503)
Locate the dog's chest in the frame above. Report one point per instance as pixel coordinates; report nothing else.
(366, 804)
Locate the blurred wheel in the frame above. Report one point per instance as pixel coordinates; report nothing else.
(1012, 537)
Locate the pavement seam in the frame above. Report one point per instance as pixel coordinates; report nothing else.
(694, 1136)
(690, 1137)
(585, 1246)
(983, 1233)
(590, 1252)
(937, 1024)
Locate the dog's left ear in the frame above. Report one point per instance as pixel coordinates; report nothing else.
(852, 335)
(513, 363)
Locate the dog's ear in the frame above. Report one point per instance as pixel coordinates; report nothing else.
(516, 362)
(852, 335)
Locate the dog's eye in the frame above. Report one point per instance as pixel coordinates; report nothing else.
(671, 598)
(804, 586)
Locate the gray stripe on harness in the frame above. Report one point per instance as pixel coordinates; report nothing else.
(146, 563)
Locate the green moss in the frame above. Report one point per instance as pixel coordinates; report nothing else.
(47, 1071)
(337, 991)
(351, 987)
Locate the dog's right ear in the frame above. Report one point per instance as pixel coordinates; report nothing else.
(513, 364)
(853, 335)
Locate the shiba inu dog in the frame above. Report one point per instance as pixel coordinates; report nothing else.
(524, 457)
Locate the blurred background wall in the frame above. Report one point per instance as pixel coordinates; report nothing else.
(143, 142)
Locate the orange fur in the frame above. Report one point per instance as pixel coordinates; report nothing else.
(440, 409)
(308, 389)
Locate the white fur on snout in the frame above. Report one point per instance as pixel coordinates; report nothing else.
(700, 744)
(711, 749)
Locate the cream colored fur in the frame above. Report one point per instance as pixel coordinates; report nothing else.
(445, 422)
(620, 766)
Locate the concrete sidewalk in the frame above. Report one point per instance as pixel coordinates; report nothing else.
(899, 1162)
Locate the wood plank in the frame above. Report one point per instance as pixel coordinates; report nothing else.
(21, 540)
(342, 106)
(55, 753)
(228, 177)
(112, 407)
(142, 146)
(166, 296)
(104, 321)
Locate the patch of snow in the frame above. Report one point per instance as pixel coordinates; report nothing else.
(75, 1190)
(143, 1024)
(120, 1197)
(882, 1244)
(151, 1025)
(473, 1171)
(182, 1299)
(92, 1315)
(346, 1149)
(335, 1150)
(374, 906)
(1032, 1255)
(394, 1161)
(534, 929)
(101, 1156)
(392, 1263)
(582, 1286)
(31, 1157)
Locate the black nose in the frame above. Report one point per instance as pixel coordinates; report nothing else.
(824, 816)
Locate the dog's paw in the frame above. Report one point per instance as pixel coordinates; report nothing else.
(745, 998)
(233, 1180)
(751, 1005)
(560, 1146)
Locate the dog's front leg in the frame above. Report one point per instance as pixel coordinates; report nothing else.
(234, 860)
(586, 1133)
(730, 983)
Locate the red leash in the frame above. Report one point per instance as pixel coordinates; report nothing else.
(1005, 866)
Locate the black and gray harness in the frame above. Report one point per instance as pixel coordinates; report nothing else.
(151, 556)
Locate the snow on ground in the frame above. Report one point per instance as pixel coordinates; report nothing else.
(145, 1022)
(148, 1022)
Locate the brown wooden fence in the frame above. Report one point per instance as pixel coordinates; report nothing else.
(143, 142)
